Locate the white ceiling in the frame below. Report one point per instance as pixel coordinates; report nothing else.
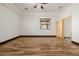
(50, 7)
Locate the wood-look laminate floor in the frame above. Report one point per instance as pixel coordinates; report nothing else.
(38, 46)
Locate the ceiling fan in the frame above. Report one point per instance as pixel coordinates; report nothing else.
(41, 5)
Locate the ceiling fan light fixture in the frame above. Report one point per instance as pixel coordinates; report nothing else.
(35, 6)
(42, 7)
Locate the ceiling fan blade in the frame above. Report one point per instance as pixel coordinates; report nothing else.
(35, 6)
(42, 7)
(44, 3)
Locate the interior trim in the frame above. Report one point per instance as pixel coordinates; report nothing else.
(75, 42)
(27, 36)
(10, 39)
(67, 37)
(11, 7)
(38, 35)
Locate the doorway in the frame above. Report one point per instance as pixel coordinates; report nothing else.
(63, 32)
(67, 31)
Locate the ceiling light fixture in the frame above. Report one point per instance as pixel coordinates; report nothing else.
(60, 7)
(26, 8)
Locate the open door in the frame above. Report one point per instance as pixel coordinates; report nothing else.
(59, 33)
(59, 29)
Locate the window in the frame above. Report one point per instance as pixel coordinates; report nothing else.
(45, 23)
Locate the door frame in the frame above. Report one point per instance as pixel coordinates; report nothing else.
(69, 17)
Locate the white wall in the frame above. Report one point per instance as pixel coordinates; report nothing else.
(73, 10)
(9, 24)
(31, 24)
(75, 23)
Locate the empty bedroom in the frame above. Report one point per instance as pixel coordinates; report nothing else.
(39, 29)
